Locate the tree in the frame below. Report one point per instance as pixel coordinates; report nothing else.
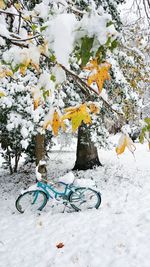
(36, 59)
(58, 53)
(120, 92)
(87, 155)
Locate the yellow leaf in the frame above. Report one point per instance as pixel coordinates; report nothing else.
(26, 17)
(87, 119)
(5, 72)
(24, 65)
(36, 103)
(35, 66)
(23, 70)
(36, 95)
(76, 121)
(27, 61)
(56, 123)
(93, 64)
(2, 4)
(121, 147)
(77, 116)
(18, 6)
(9, 72)
(44, 48)
(94, 108)
(125, 141)
(70, 109)
(2, 94)
(100, 73)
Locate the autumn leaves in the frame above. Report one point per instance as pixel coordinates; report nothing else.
(125, 142)
(81, 113)
(99, 73)
(96, 73)
(77, 115)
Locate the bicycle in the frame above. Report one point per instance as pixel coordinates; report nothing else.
(79, 198)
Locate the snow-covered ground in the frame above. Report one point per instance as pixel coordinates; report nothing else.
(116, 235)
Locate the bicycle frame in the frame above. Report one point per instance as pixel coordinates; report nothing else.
(51, 188)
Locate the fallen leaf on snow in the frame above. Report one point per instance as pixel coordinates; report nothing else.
(60, 245)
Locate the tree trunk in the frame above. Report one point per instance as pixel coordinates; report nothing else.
(9, 161)
(17, 157)
(39, 147)
(40, 155)
(86, 155)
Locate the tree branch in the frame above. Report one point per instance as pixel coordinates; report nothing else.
(26, 39)
(8, 13)
(19, 40)
(14, 43)
(85, 85)
(19, 22)
(70, 73)
(146, 12)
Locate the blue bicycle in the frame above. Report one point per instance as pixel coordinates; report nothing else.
(79, 198)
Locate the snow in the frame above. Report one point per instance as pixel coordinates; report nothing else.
(42, 10)
(68, 178)
(116, 235)
(59, 74)
(47, 84)
(24, 132)
(101, 31)
(61, 30)
(34, 54)
(3, 30)
(24, 143)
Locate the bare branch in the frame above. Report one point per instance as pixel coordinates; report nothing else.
(20, 40)
(8, 13)
(26, 39)
(14, 43)
(19, 22)
(146, 11)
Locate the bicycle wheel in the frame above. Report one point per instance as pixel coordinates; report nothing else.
(31, 201)
(84, 198)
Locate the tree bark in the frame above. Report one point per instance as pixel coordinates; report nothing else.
(39, 147)
(17, 157)
(9, 161)
(40, 155)
(86, 155)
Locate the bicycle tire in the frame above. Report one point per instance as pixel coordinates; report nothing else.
(80, 199)
(34, 195)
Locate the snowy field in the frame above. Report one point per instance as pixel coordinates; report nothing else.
(116, 235)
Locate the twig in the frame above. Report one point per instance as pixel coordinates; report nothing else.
(85, 85)
(19, 22)
(19, 40)
(26, 39)
(8, 13)
(146, 12)
(138, 8)
(14, 43)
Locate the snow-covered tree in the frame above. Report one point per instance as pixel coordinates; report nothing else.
(59, 55)
(43, 42)
(119, 92)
